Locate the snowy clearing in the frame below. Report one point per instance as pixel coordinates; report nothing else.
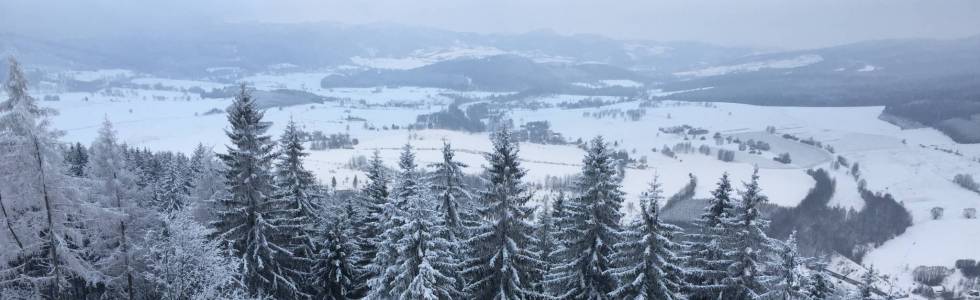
(796, 62)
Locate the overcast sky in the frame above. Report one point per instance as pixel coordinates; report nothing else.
(790, 24)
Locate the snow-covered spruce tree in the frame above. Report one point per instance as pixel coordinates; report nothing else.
(48, 220)
(704, 253)
(452, 193)
(334, 270)
(753, 254)
(817, 286)
(296, 187)
(77, 160)
(787, 280)
(173, 190)
(427, 264)
(550, 259)
(564, 218)
(415, 260)
(866, 290)
(147, 171)
(251, 222)
(500, 262)
(296, 182)
(206, 172)
(154, 169)
(454, 204)
(545, 244)
(647, 266)
(559, 211)
(583, 270)
(198, 157)
(371, 200)
(390, 219)
(207, 176)
(116, 189)
(183, 262)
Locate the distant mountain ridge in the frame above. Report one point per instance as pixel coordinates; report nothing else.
(865, 73)
(495, 73)
(932, 82)
(254, 47)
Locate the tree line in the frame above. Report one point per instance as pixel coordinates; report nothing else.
(253, 223)
(822, 229)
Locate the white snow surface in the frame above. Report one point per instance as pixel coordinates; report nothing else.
(178, 83)
(101, 74)
(928, 243)
(425, 57)
(867, 68)
(796, 62)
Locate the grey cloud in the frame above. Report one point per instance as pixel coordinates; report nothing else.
(785, 24)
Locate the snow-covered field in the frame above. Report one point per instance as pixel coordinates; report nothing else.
(424, 57)
(610, 83)
(900, 162)
(177, 83)
(796, 62)
(94, 75)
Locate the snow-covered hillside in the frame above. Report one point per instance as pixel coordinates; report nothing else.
(796, 62)
(424, 57)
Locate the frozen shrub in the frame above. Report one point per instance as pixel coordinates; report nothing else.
(970, 213)
(704, 149)
(968, 267)
(966, 181)
(726, 155)
(930, 275)
(936, 213)
(667, 152)
(965, 263)
(783, 158)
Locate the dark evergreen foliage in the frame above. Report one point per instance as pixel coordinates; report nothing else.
(296, 187)
(751, 251)
(447, 181)
(414, 260)
(646, 260)
(452, 118)
(371, 200)
(500, 263)
(583, 271)
(704, 252)
(255, 225)
(334, 271)
(77, 159)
